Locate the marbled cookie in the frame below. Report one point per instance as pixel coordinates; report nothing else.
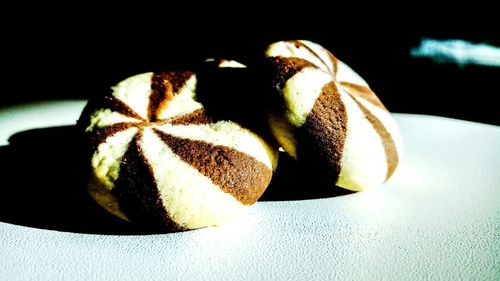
(326, 116)
(160, 161)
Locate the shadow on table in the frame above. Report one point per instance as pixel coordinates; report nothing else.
(44, 185)
(294, 182)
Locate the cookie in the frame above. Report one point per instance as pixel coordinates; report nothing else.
(160, 161)
(326, 116)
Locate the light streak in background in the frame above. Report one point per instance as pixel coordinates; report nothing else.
(458, 51)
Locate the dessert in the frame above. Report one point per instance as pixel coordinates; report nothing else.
(160, 161)
(326, 116)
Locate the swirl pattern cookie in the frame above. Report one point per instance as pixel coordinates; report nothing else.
(325, 115)
(160, 161)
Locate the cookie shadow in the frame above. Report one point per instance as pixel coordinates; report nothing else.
(44, 184)
(292, 181)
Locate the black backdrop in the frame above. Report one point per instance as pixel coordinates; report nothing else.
(62, 60)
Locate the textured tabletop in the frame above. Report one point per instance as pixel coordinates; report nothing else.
(437, 218)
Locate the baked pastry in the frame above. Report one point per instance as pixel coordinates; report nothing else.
(160, 161)
(326, 116)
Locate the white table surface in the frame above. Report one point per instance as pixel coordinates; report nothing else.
(438, 218)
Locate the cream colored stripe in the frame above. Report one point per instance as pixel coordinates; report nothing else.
(107, 158)
(135, 91)
(182, 103)
(300, 93)
(105, 117)
(231, 64)
(322, 53)
(192, 200)
(345, 73)
(363, 160)
(227, 134)
(386, 119)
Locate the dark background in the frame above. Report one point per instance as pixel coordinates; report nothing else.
(67, 58)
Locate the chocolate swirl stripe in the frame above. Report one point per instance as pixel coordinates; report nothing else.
(164, 86)
(362, 92)
(335, 64)
(134, 189)
(282, 69)
(324, 133)
(198, 117)
(233, 171)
